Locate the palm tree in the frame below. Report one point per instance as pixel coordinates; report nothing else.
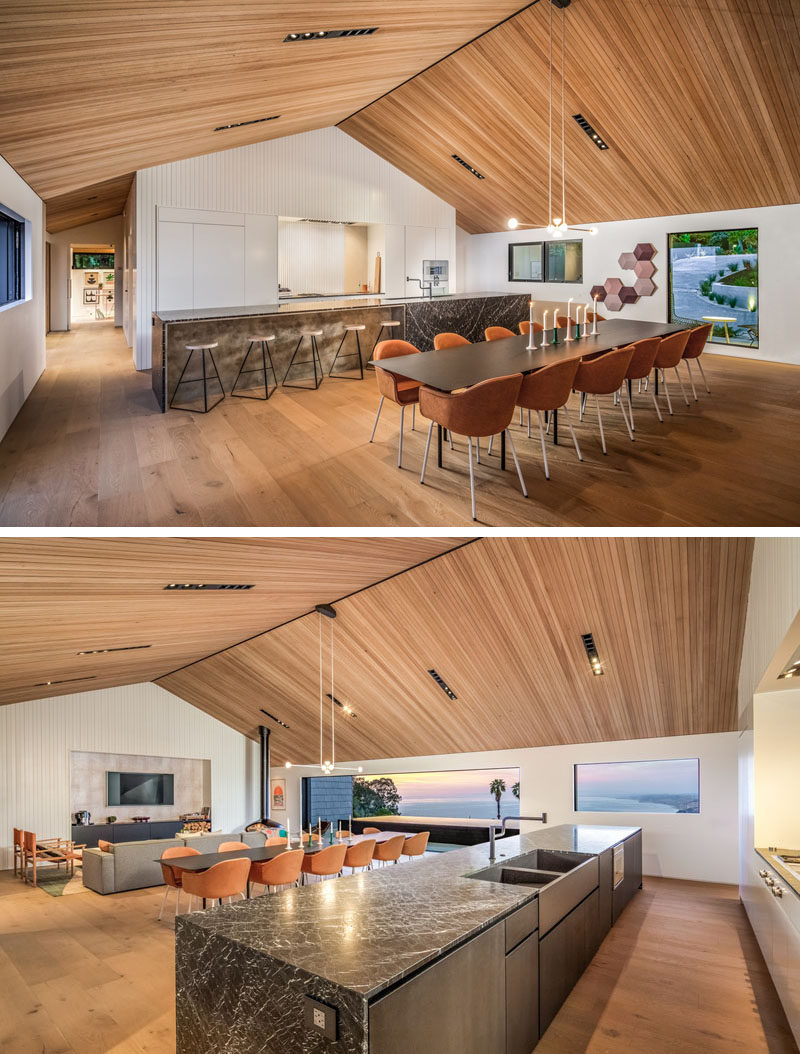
(497, 790)
(515, 790)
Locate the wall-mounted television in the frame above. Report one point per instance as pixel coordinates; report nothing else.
(140, 788)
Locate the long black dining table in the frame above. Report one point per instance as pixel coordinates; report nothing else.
(454, 368)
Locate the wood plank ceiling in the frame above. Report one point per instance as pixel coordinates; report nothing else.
(61, 596)
(89, 97)
(501, 621)
(699, 101)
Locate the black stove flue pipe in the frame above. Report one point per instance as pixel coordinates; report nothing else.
(265, 821)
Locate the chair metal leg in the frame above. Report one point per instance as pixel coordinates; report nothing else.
(544, 446)
(163, 902)
(450, 439)
(666, 391)
(520, 417)
(655, 403)
(478, 447)
(582, 409)
(471, 477)
(427, 449)
(691, 378)
(177, 900)
(600, 422)
(703, 375)
(519, 470)
(413, 417)
(529, 426)
(491, 444)
(680, 384)
(572, 430)
(625, 416)
(377, 415)
(400, 444)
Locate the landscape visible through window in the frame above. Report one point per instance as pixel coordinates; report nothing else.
(638, 786)
(476, 793)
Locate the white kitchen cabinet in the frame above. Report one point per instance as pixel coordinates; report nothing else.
(420, 245)
(218, 265)
(175, 270)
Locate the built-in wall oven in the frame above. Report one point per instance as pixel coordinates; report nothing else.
(437, 269)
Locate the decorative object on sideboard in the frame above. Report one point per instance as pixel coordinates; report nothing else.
(83, 817)
(614, 293)
(111, 819)
(140, 819)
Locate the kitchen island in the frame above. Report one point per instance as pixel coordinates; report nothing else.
(440, 955)
(420, 319)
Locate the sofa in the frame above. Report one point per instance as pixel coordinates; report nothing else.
(135, 865)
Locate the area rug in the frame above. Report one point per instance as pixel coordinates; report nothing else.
(59, 884)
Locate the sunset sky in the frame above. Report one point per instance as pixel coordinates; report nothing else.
(465, 785)
(632, 777)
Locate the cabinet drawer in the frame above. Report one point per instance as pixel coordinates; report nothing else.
(522, 997)
(521, 924)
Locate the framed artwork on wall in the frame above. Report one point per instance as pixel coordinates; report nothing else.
(278, 795)
(90, 296)
(713, 277)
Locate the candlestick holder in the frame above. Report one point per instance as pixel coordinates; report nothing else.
(555, 334)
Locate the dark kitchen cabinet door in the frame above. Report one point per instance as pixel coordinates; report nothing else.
(632, 881)
(594, 931)
(522, 997)
(454, 1006)
(562, 957)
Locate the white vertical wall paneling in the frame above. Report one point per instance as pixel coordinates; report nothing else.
(420, 245)
(36, 739)
(311, 256)
(394, 260)
(260, 259)
(323, 174)
(218, 265)
(175, 265)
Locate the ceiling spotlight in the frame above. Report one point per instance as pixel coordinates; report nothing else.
(513, 224)
(288, 765)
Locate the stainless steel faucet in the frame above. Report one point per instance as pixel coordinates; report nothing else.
(502, 829)
(425, 285)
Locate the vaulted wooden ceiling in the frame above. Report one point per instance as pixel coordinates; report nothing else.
(501, 620)
(91, 94)
(699, 101)
(62, 596)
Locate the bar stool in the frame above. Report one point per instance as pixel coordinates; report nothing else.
(202, 348)
(265, 354)
(387, 323)
(353, 354)
(312, 335)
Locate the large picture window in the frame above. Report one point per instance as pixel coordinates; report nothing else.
(556, 261)
(465, 793)
(12, 259)
(713, 276)
(638, 786)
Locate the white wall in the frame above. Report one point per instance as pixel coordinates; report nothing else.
(22, 325)
(776, 776)
(101, 232)
(36, 739)
(702, 847)
(779, 269)
(129, 269)
(320, 175)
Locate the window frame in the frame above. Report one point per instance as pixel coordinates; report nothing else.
(14, 287)
(632, 761)
(546, 278)
(522, 245)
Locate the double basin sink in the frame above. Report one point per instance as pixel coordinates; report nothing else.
(563, 879)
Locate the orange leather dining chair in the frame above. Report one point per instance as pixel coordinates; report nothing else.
(449, 340)
(389, 852)
(394, 386)
(325, 863)
(497, 333)
(525, 328)
(670, 353)
(590, 316)
(18, 853)
(173, 876)
(604, 376)
(360, 854)
(282, 870)
(695, 346)
(226, 879)
(416, 844)
(485, 409)
(642, 363)
(275, 840)
(546, 390)
(371, 830)
(227, 847)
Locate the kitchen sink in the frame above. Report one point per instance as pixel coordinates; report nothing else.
(516, 876)
(550, 860)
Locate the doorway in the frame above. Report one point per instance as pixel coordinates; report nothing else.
(92, 286)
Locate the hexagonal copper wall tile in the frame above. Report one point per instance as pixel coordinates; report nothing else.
(644, 268)
(627, 261)
(644, 251)
(628, 294)
(613, 302)
(598, 291)
(613, 285)
(644, 286)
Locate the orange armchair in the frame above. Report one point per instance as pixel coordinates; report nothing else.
(497, 333)
(642, 362)
(326, 862)
(283, 870)
(670, 352)
(173, 876)
(228, 847)
(604, 376)
(389, 852)
(546, 390)
(371, 830)
(416, 844)
(394, 386)
(449, 340)
(226, 879)
(485, 409)
(360, 854)
(525, 328)
(695, 346)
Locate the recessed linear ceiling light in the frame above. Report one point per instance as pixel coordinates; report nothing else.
(792, 667)
(467, 166)
(272, 717)
(591, 651)
(596, 138)
(65, 680)
(206, 585)
(241, 124)
(343, 706)
(448, 691)
(105, 651)
(328, 34)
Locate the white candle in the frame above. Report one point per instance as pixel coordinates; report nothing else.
(594, 320)
(569, 319)
(319, 827)
(351, 826)
(585, 319)
(531, 342)
(544, 331)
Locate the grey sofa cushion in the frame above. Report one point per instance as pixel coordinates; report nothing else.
(98, 870)
(128, 865)
(255, 839)
(210, 843)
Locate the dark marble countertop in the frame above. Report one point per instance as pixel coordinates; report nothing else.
(303, 305)
(367, 931)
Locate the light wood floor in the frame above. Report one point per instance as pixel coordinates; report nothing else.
(680, 973)
(90, 449)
